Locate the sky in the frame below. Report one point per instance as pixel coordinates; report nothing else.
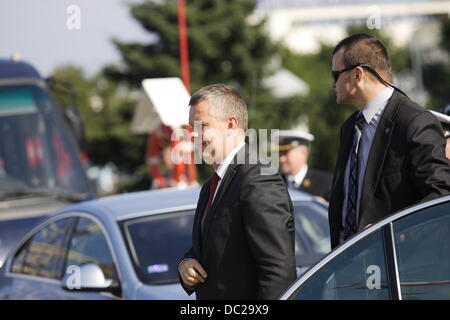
(38, 30)
(46, 34)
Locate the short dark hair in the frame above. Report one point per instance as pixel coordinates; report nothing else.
(364, 48)
(225, 102)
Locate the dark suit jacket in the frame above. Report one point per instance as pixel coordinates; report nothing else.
(317, 183)
(247, 243)
(406, 164)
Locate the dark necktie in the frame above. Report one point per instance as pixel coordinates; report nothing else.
(351, 227)
(212, 189)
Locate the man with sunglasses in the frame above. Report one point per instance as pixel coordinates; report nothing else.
(391, 151)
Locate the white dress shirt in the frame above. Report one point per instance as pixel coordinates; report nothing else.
(222, 169)
(297, 180)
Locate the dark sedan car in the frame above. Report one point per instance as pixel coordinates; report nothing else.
(128, 247)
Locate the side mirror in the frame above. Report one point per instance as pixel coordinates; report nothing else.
(88, 277)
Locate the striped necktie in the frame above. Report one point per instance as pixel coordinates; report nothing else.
(350, 227)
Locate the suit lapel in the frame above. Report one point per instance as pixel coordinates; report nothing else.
(378, 151)
(344, 151)
(201, 205)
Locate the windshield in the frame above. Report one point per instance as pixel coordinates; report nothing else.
(36, 153)
(157, 243)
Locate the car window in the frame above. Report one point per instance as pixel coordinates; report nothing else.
(89, 245)
(43, 255)
(36, 150)
(156, 244)
(312, 232)
(359, 272)
(422, 242)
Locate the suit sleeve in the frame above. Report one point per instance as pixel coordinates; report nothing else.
(429, 168)
(188, 255)
(266, 209)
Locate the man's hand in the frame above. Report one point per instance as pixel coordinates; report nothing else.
(369, 225)
(192, 272)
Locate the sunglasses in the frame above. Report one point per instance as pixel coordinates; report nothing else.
(337, 73)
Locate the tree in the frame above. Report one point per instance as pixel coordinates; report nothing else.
(107, 110)
(223, 48)
(436, 74)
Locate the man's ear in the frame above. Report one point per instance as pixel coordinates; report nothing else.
(359, 73)
(233, 123)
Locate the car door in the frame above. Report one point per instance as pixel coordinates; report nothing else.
(359, 273)
(88, 244)
(36, 268)
(422, 242)
(405, 256)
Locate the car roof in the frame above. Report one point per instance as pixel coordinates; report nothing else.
(17, 69)
(129, 205)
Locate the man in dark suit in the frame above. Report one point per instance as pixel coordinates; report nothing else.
(293, 148)
(243, 232)
(445, 122)
(392, 150)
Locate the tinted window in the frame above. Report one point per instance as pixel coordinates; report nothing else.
(89, 245)
(423, 253)
(357, 273)
(44, 253)
(312, 232)
(157, 243)
(35, 150)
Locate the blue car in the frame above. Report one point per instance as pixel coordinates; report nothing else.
(128, 247)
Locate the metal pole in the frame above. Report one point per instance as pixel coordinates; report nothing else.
(184, 54)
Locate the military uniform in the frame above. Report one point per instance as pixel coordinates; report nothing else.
(309, 180)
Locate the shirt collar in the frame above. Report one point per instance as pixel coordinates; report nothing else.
(222, 169)
(376, 104)
(300, 176)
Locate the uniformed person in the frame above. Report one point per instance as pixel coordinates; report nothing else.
(294, 147)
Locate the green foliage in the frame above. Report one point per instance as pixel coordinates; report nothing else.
(436, 75)
(107, 125)
(223, 48)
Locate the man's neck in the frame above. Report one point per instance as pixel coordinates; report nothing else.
(228, 150)
(368, 95)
